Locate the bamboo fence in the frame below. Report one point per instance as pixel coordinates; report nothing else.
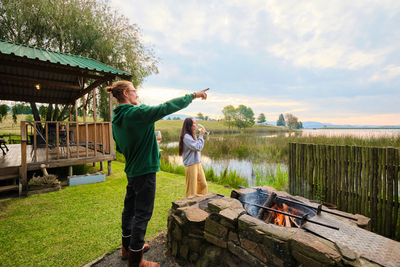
(363, 180)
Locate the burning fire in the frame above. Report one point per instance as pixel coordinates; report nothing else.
(281, 219)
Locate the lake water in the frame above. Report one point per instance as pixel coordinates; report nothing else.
(365, 133)
(246, 168)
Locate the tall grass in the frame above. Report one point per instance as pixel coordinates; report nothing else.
(279, 181)
(255, 147)
(226, 177)
(275, 149)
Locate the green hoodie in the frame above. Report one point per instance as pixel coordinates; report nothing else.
(134, 133)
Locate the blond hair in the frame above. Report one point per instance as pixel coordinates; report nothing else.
(117, 89)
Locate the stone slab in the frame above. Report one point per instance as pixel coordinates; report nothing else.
(371, 246)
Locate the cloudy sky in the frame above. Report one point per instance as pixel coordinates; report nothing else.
(326, 61)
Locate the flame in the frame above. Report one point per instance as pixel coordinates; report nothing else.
(279, 219)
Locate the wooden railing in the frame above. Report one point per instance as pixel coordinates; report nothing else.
(362, 180)
(66, 139)
(59, 144)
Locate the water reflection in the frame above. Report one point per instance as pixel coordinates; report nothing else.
(362, 133)
(244, 168)
(249, 169)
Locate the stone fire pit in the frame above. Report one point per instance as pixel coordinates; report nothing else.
(215, 230)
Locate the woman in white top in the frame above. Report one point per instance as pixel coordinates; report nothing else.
(189, 149)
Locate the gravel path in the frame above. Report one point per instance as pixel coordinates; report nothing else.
(158, 253)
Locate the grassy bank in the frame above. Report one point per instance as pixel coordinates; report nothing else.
(73, 226)
(257, 148)
(171, 128)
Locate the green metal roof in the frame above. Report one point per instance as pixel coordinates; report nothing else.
(61, 78)
(65, 59)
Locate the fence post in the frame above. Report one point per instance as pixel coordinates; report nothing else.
(374, 190)
(389, 206)
(290, 168)
(396, 194)
(384, 190)
(379, 193)
(350, 188)
(310, 171)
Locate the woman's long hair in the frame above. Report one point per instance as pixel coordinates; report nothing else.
(186, 129)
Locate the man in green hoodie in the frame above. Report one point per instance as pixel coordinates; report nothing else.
(133, 129)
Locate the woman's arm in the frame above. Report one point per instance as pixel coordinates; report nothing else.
(193, 144)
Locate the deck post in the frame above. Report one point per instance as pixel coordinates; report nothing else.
(70, 171)
(112, 151)
(101, 166)
(24, 166)
(109, 168)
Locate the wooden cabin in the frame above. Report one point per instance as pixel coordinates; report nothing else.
(31, 74)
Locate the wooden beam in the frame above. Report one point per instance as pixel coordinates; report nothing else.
(84, 108)
(24, 165)
(89, 88)
(112, 151)
(94, 106)
(33, 89)
(38, 99)
(77, 125)
(22, 79)
(69, 162)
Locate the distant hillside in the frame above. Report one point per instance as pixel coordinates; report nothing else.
(307, 124)
(180, 116)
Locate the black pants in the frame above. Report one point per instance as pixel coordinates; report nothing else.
(138, 208)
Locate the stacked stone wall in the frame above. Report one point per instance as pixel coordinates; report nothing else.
(223, 234)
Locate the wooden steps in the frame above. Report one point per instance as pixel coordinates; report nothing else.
(9, 188)
(9, 179)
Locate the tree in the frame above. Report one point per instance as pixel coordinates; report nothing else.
(200, 116)
(280, 121)
(230, 114)
(241, 116)
(261, 118)
(206, 118)
(3, 112)
(89, 28)
(291, 120)
(244, 117)
(299, 125)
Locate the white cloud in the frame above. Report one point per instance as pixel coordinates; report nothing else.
(388, 73)
(284, 53)
(308, 33)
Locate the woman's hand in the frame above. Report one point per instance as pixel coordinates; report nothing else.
(202, 131)
(201, 94)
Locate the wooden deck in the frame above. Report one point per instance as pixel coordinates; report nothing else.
(13, 157)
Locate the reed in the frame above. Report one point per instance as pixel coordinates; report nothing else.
(226, 177)
(276, 148)
(259, 148)
(279, 180)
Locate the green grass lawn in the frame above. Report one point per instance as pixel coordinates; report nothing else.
(73, 226)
